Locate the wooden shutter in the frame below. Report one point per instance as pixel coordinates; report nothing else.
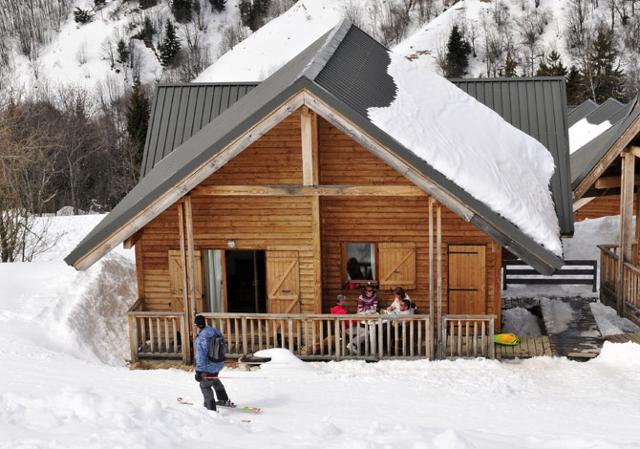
(283, 282)
(175, 281)
(467, 279)
(397, 265)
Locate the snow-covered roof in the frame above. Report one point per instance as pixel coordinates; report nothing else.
(347, 70)
(473, 146)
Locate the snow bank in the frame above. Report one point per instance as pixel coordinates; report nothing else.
(609, 322)
(557, 315)
(276, 43)
(521, 322)
(474, 147)
(584, 132)
(54, 306)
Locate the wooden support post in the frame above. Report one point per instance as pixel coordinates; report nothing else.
(191, 261)
(309, 135)
(626, 233)
(184, 334)
(133, 337)
(432, 309)
(439, 265)
(317, 254)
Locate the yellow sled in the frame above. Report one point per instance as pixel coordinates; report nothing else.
(506, 339)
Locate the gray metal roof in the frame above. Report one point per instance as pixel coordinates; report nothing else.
(579, 112)
(181, 110)
(589, 155)
(334, 69)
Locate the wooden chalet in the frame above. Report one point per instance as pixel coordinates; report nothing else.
(604, 180)
(259, 203)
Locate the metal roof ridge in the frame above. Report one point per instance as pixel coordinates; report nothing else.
(324, 54)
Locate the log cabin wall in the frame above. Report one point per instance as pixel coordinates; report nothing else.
(386, 219)
(602, 206)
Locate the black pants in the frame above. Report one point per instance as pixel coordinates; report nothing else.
(206, 386)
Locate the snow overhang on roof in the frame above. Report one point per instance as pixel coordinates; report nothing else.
(347, 70)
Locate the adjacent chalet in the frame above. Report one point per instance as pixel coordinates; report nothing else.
(605, 140)
(261, 202)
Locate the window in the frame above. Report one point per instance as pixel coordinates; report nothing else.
(360, 261)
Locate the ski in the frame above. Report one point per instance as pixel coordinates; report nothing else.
(240, 408)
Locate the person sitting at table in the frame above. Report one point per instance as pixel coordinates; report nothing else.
(398, 295)
(368, 300)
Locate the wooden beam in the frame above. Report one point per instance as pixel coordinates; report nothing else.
(611, 182)
(131, 241)
(140, 268)
(172, 195)
(579, 204)
(191, 261)
(616, 149)
(635, 150)
(626, 216)
(294, 190)
(439, 269)
(432, 309)
(309, 138)
(184, 336)
(317, 253)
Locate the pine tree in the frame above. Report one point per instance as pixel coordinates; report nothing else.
(123, 52)
(171, 45)
(218, 5)
(552, 66)
(253, 13)
(144, 4)
(182, 10)
(82, 15)
(147, 32)
(601, 69)
(458, 50)
(576, 92)
(137, 122)
(510, 66)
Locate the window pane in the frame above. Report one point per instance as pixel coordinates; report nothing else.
(361, 261)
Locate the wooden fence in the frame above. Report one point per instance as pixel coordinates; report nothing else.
(327, 337)
(467, 336)
(609, 282)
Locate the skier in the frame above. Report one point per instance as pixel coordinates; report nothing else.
(207, 370)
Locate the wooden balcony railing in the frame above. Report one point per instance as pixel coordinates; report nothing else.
(327, 337)
(160, 335)
(467, 336)
(609, 275)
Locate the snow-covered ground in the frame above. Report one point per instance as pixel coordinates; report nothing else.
(63, 336)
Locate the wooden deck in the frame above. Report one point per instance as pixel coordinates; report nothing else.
(624, 338)
(528, 347)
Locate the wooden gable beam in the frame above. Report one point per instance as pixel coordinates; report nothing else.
(616, 150)
(612, 182)
(309, 139)
(293, 190)
(131, 241)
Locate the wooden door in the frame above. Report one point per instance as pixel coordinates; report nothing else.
(283, 282)
(467, 279)
(175, 281)
(397, 265)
